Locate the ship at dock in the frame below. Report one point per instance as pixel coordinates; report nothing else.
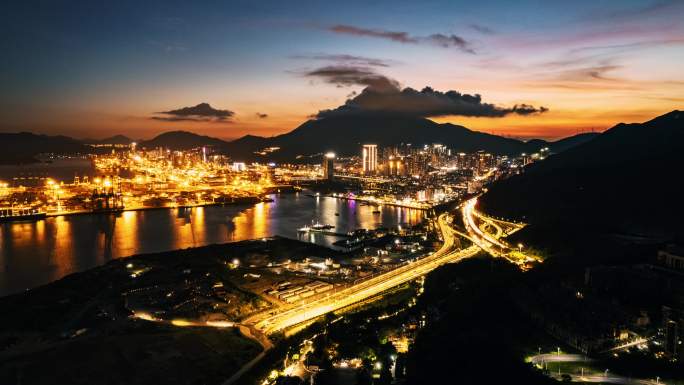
(16, 214)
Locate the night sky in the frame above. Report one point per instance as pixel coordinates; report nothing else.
(543, 68)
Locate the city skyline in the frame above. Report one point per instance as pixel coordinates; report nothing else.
(263, 69)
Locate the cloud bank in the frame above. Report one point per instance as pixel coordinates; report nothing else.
(383, 95)
(202, 112)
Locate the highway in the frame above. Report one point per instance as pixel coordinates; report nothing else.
(368, 288)
(492, 243)
(268, 323)
(486, 240)
(263, 324)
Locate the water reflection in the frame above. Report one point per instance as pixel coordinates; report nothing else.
(35, 253)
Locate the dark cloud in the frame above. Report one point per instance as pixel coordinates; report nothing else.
(448, 41)
(384, 95)
(352, 75)
(261, 115)
(401, 37)
(483, 29)
(526, 109)
(589, 73)
(438, 39)
(202, 112)
(347, 59)
(424, 103)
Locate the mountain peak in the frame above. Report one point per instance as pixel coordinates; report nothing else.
(182, 140)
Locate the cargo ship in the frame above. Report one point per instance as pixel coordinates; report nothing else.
(13, 214)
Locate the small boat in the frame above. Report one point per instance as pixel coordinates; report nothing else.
(315, 227)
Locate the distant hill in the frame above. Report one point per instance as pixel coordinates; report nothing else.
(24, 146)
(346, 134)
(306, 143)
(622, 183)
(182, 140)
(116, 139)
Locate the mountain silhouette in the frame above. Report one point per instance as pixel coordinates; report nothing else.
(345, 135)
(22, 147)
(623, 182)
(182, 140)
(306, 143)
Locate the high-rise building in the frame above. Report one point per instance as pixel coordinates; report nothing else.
(329, 166)
(671, 338)
(370, 158)
(395, 166)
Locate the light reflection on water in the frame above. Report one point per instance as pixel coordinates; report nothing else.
(35, 253)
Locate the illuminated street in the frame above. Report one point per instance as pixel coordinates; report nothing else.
(492, 243)
(368, 288)
(269, 323)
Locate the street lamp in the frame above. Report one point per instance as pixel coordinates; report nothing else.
(520, 246)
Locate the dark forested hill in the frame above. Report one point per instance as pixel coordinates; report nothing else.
(22, 147)
(625, 181)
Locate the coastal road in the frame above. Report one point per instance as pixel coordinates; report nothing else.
(368, 288)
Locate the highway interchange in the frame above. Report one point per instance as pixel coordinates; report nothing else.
(270, 322)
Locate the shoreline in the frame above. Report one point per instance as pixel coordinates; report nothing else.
(253, 201)
(371, 202)
(34, 280)
(155, 256)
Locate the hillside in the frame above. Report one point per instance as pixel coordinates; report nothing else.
(24, 146)
(622, 184)
(571, 141)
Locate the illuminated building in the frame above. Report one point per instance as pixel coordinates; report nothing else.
(239, 166)
(485, 161)
(329, 166)
(370, 158)
(395, 166)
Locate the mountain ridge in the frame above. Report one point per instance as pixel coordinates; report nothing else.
(307, 142)
(22, 147)
(345, 134)
(602, 187)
